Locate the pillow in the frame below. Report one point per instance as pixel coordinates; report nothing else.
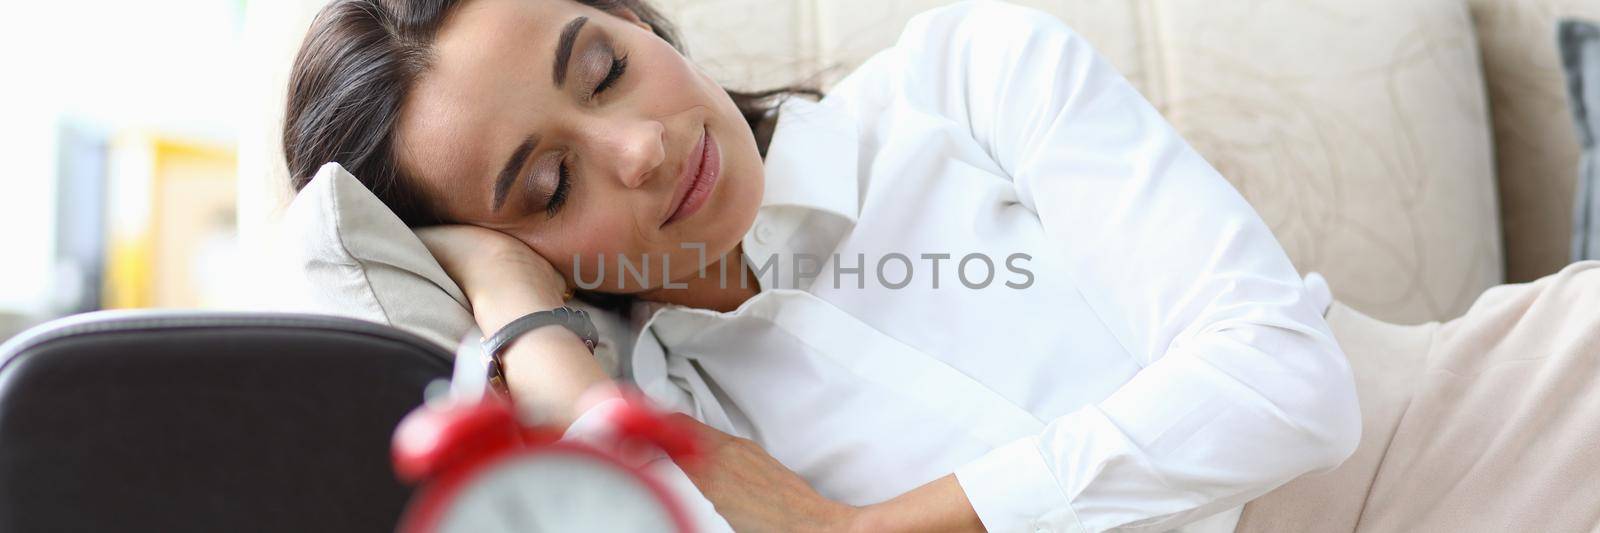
(1580, 56)
(357, 259)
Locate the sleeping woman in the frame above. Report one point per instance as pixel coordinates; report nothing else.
(981, 284)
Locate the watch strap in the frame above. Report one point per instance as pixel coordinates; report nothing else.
(575, 320)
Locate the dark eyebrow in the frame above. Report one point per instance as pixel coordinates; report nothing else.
(569, 35)
(514, 164)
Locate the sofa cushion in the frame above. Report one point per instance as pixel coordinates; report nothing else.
(1358, 128)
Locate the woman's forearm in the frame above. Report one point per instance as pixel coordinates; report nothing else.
(547, 369)
(938, 506)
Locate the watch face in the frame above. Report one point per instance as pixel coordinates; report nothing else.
(554, 490)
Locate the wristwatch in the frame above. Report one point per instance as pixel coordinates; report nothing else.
(575, 320)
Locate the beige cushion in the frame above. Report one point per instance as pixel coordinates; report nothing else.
(1358, 128)
(1485, 422)
(355, 258)
(746, 44)
(1536, 149)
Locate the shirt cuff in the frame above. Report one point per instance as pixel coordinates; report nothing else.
(594, 428)
(1321, 295)
(594, 422)
(1012, 489)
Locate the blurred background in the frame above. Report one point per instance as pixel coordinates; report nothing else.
(120, 135)
(122, 129)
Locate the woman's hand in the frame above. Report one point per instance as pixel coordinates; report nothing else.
(502, 277)
(548, 368)
(755, 492)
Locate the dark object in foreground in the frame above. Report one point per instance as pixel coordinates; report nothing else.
(184, 421)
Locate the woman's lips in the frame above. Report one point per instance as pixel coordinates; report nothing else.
(701, 176)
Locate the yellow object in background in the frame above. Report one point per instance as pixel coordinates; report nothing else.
(172, 229)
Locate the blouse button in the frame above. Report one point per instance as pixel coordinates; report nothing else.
(763, 233)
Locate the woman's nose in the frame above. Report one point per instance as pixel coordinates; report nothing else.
(635, 151)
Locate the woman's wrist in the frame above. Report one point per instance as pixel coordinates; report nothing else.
(495, 309)
(869, 518)
(937, 506)
(547, 368)
(510, 284)
(493, 318)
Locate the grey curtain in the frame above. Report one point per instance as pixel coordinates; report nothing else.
(1579, 42)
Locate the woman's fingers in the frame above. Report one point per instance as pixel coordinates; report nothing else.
(489, 264)
(453, 244)
(753, 490)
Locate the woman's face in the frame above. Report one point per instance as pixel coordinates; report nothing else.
(575, 130)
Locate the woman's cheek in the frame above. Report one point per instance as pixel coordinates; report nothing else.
(592, 256)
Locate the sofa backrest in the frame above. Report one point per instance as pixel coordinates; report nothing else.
(1364, 131)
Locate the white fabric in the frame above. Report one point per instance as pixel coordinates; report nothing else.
(1167, 364)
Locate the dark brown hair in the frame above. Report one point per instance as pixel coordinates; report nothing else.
(359, 60)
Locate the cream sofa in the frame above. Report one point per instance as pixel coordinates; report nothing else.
(1415, 152)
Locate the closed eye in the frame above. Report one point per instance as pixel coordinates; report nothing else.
(558, 195)
(619, 65)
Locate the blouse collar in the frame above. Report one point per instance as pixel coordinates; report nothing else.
(812, 160)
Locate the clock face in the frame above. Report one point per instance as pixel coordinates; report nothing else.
(554, 490)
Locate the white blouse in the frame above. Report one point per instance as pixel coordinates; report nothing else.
(1162, 364)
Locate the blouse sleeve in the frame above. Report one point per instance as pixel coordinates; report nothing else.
(1243, 386)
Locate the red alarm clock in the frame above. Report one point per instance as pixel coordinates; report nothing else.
(482, 471)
